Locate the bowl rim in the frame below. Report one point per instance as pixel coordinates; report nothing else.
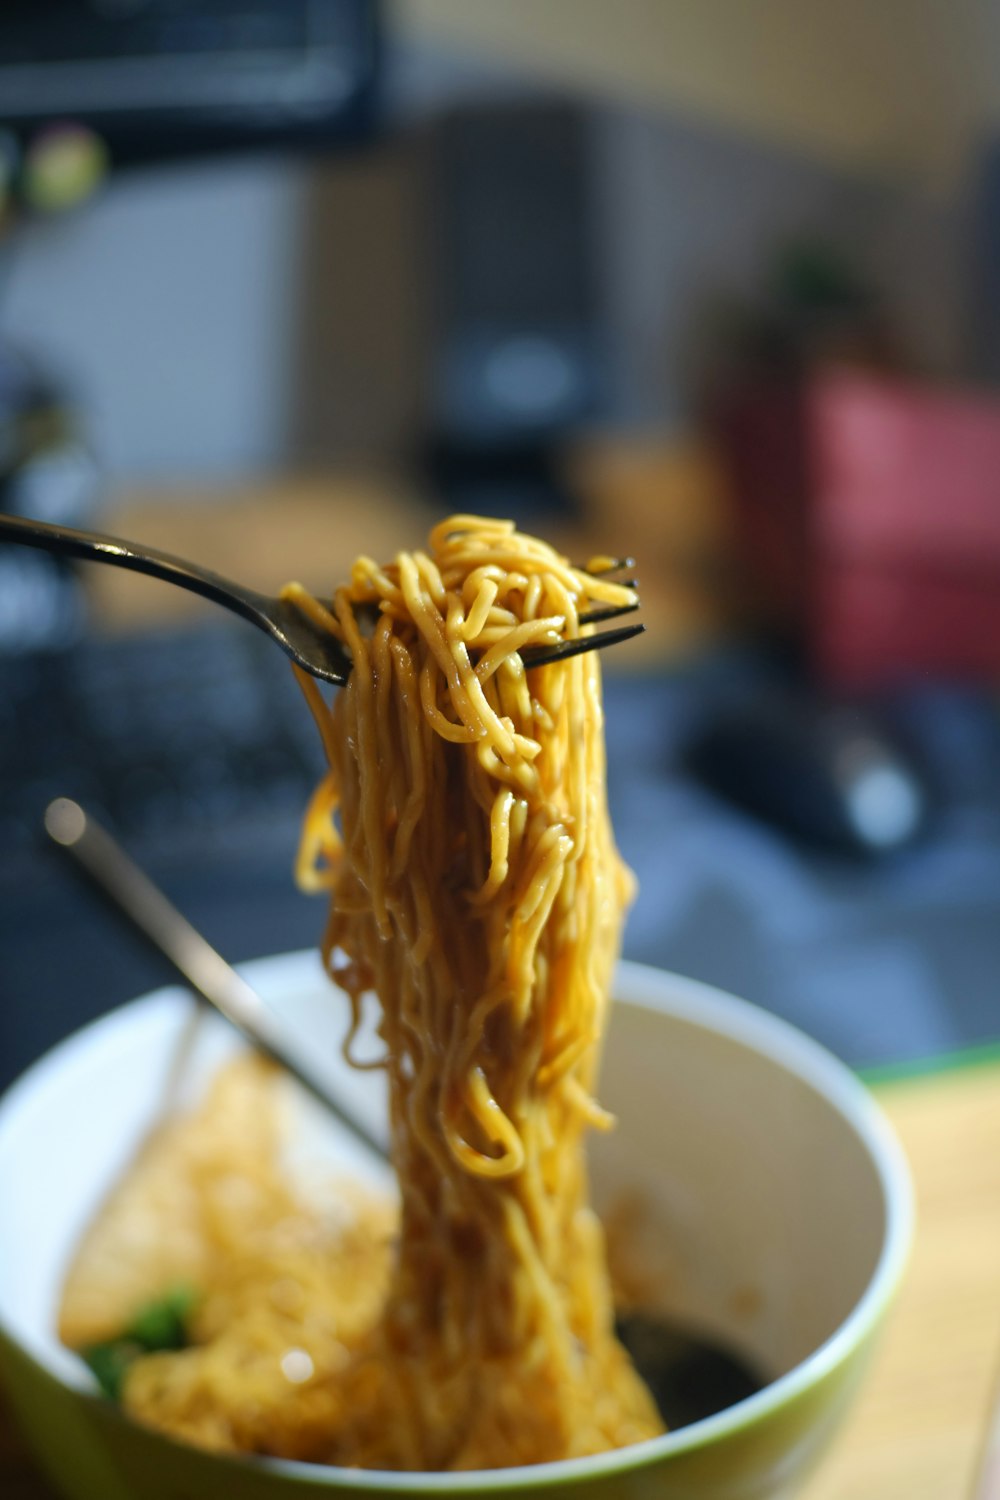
(643, 987)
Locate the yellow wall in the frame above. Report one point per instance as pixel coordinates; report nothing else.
(892, 86)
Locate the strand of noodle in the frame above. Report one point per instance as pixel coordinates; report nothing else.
(416, 777)
(458, 734)
(526, 931)
(564, 1061)
(513, 696)
(499, 848)
(360, 693)
(499, 617)
(551, 850)
(430, 577)
(464, 688)
(517, 1229)
(311, 608)
(533, 595)
(376, 581)
(530, 633)
(315, 868)
(464, 523)
(588, 1107)
(360, 1064)
(496, 1126)
(482, 607)
(318, 709)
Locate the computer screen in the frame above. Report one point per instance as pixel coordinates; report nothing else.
(158, 78)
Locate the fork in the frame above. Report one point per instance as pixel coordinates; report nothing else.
(312, 648)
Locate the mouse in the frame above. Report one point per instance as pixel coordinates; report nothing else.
(830, 775)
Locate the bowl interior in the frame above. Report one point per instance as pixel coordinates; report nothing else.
(748, 1176)
(737, 1174)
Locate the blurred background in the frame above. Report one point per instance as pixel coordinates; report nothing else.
(715, 286)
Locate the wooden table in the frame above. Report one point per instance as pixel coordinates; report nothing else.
(918, 1429)
(915, 1434)
(667, 504)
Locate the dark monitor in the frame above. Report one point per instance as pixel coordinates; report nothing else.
(158, 78)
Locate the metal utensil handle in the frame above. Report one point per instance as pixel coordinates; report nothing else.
(95, 546)
(135, 896)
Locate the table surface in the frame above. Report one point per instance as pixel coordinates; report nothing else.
(665, 502)
(918, 1426)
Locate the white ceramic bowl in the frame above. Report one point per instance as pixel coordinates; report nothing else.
(774, 1208)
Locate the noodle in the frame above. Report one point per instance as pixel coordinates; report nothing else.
(476, 896)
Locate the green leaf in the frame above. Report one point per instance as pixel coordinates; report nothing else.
(158, 1326)
(109, 1363)
(163, 1324)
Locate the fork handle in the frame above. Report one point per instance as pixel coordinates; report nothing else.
(95, 546)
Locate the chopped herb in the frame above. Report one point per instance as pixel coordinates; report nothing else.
(158, 1326)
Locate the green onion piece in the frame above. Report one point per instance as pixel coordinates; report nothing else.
(158, 1326)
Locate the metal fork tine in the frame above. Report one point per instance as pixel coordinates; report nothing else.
(607, 612)
(545, 656)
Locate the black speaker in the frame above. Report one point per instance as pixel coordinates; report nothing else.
(516, 348)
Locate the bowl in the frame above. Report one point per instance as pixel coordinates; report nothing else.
(764, 1194)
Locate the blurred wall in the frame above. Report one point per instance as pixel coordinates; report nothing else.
(871, 85)
(226, 318)
(166, 304)
(693, 212)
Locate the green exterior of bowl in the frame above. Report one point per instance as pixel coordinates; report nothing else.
(89, 1451)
